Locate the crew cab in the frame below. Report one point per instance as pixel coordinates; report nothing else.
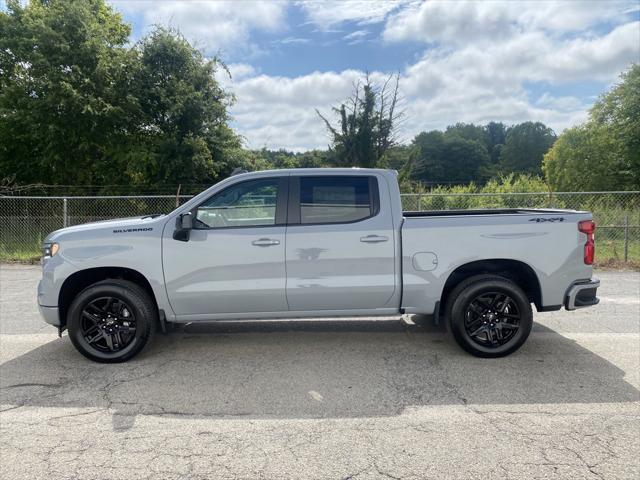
(314, 243)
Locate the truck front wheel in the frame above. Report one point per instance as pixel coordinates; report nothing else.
(489, 315)
(111, 321)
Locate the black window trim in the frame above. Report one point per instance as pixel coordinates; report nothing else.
(293, 214)
(282, 198)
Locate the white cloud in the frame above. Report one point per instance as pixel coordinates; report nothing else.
(294, 40)
(572, 16)
(528, 57)
(329, 13)
(599, 58)
(279, 112)
(478, 60)
(241, 70)
(452, 22)
(562, 104)
(472, 83)
(459, 22)
(479, 83)
(210, 25)
(356, 36)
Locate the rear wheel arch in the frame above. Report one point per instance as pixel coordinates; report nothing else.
(517, 271)
(78, 281)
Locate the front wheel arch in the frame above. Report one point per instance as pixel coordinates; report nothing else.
(78, 281)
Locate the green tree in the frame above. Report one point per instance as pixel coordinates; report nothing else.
(282, 158)
(464, 160)
(80, 106)
(427, 163)
(581, 160)
(468, 131)
(604, 152)
(496, 135)
(367, 123)
(525, 146)
(442, 158)
(249, 160)
(618, 112)
(396, 157)
(312, 159)
(183, 111)
(63, 89)
(492, 136)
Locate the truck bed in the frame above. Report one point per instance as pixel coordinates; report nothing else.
(545, 240)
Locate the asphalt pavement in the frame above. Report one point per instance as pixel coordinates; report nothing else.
(356, 399)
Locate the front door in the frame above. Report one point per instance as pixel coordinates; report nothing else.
(340, 245)
(234, 260)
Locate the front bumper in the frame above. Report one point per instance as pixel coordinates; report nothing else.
(51, 315)
(582, 294)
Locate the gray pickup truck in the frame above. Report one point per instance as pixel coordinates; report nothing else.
(314, 243)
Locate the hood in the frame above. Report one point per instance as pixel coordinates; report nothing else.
(118, 223)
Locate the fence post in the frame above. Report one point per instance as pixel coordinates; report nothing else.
(626, 237)
(419, 202)
(65, 217)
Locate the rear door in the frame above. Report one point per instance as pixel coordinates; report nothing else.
(340, 245)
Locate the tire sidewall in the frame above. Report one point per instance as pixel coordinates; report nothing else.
(140, 313)
(458, 310)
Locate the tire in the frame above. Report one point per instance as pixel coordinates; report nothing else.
(489, 315)
(106, 307)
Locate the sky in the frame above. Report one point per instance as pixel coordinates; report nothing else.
(459, 61)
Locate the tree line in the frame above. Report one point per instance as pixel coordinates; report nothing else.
(80, 104)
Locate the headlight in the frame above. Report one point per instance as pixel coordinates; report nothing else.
(49, 250)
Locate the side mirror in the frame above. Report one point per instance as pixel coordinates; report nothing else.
(184, 224)
(186, 221)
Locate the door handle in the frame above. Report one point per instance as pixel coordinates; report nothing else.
(374, 239)
(265, 242)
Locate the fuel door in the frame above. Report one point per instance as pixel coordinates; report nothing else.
(425, 261)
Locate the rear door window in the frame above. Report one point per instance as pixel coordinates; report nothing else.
(336, 199)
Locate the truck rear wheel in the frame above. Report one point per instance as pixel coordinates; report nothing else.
(489, 315)
(111, 321)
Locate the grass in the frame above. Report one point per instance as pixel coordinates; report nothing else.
(16, 250)
(610, 254)
(19, 255)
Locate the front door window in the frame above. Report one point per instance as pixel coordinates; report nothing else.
(247, 204)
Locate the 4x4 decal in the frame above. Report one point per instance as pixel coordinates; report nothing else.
(543, 219)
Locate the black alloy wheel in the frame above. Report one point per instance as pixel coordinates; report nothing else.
(492, 319)
(108, 324)
(111, 321)
(489, 315)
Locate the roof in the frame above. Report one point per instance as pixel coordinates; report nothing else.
(332, 171)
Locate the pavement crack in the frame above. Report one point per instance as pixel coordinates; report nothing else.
(48, 385)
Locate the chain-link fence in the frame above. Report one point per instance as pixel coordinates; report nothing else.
(25, 221)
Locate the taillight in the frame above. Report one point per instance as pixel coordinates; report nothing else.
(588, 227)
